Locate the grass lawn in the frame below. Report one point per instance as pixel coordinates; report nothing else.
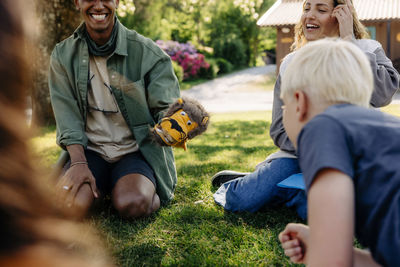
(192, 230)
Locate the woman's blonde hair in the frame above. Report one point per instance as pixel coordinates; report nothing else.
(359, 29)
(329, 71)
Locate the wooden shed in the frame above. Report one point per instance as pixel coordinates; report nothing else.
(381, 17)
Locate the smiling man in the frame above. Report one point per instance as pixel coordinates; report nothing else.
(108, 86)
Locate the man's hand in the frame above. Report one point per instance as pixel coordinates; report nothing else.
(74, 178)
(344, 16)
(77, 175)
(294, 241)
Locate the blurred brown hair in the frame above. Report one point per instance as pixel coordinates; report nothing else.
(33, 230)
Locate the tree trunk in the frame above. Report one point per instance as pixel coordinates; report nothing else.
(58, 20)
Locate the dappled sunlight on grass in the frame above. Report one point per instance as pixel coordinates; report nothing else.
(189, 234)
(227, 156)
(192, 230)
(228, 144)
(241, 116)
(44, 145)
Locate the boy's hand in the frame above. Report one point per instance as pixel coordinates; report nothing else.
(344, 16)
(294, 241)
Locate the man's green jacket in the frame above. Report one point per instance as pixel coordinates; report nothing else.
(143, 83)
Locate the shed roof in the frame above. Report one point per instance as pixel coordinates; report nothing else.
(288, 12)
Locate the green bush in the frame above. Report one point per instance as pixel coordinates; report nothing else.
(210, 72)
(178, 71)
(224, 66)
(230, 48)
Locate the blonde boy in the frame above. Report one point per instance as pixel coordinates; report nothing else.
(349, 158)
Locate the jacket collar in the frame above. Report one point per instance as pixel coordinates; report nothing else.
(121, 47)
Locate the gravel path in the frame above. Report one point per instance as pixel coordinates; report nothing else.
(239, 91)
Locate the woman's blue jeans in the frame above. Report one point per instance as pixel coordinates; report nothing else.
(259, 189)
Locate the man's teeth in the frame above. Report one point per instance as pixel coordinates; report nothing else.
(99, 17)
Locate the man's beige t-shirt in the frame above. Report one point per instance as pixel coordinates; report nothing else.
(106, 128)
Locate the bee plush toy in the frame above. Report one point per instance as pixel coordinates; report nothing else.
(185, 119)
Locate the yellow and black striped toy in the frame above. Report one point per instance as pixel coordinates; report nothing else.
(185, 119)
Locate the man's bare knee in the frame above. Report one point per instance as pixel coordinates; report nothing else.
(133, 206)
(156, 203)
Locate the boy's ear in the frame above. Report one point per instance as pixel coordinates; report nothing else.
(302, 105)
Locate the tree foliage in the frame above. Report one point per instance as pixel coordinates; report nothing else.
(221, 24)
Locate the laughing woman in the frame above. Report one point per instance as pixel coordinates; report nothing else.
(320, 19)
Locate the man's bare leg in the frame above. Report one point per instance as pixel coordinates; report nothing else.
(134, 196)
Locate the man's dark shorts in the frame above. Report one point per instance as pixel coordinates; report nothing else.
(107, 174)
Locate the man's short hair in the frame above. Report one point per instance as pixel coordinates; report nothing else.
(330, 71)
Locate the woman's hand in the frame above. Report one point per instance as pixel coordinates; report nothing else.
(344, 16)
(294, 241)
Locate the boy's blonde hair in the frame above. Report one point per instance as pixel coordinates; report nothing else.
(359, 29)
(329, 71)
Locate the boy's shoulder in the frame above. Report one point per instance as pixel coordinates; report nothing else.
(340, 113)
(348, 113)
(359, 125)
(353, 121)
(342, 134)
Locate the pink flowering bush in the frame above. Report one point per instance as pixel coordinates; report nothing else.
(191, 63)
(186, 56)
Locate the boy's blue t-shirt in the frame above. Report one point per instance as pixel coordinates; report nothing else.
(364, 144)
